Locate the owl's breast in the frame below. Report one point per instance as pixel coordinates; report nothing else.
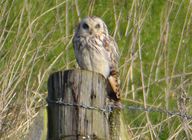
(93, 57)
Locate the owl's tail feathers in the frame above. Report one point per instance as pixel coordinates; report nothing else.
(113, 88)
(114, 82)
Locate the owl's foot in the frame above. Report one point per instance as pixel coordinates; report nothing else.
(114, 104)
(118, 105)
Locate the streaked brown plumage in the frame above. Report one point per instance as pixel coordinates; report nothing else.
(96, 50)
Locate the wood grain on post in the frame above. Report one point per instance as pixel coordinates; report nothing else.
(71, 122)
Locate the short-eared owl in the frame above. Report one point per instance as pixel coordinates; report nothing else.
(96, 50)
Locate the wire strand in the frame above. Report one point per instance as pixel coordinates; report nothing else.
(110, 107)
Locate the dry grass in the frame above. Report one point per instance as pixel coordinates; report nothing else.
(154, 38)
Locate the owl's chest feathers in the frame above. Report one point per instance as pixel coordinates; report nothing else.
(93, 56)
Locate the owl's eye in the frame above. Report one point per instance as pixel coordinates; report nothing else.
(85, 26)
(97, 26)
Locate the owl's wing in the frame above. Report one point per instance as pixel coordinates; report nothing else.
(113, 79)
(114, 52)
(76, 46)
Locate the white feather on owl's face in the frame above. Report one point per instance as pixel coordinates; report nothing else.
(91, 26)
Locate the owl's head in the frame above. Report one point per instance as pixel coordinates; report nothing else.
(91, 26)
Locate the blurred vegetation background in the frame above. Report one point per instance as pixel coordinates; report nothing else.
(155, 42)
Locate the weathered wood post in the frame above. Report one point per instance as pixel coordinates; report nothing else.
(114, 125)
(76, 106)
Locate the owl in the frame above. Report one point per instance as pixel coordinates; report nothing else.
(97, 51)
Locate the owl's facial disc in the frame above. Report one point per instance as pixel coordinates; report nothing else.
(92, 26)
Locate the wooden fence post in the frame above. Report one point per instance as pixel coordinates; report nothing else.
(75, 102)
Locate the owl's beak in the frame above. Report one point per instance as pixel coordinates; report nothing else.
(90, 31)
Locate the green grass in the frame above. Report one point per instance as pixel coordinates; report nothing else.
(154, 38)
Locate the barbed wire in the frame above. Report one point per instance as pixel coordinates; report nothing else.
(60, 102)
(110, 107)
(159, 110)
